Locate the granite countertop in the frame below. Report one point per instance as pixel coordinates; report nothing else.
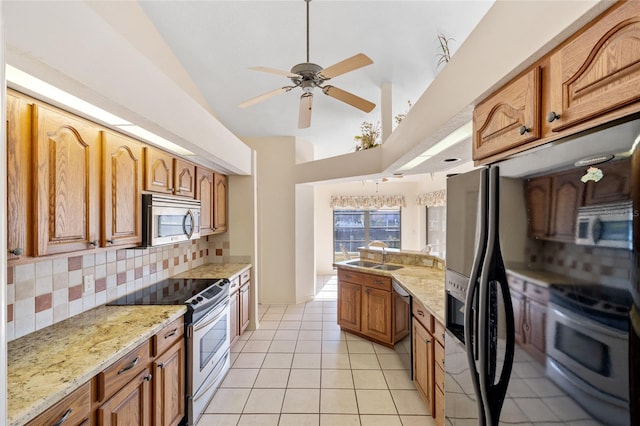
(47, 365)
(423, 283)
(215, 270)
(541, 277)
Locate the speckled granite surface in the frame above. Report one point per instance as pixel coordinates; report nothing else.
(49, 364)
(425, 284)
(215, 270)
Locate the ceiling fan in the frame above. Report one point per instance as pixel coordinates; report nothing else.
(308, 76)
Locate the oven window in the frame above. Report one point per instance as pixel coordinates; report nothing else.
(583, 349)
(616, 231)
(172, 225)
(212, 341)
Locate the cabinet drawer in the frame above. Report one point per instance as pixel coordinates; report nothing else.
(123, 371)
(245, 277)
(235, 285)
(368, 280)
(423, 315)
(438, 331)
(167, 336)
(516, 283)
(74, 408)
(439, 355)
(537, 293)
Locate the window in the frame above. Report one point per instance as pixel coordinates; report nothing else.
(437, 230)
(356, 228)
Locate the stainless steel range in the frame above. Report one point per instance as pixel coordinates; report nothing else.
(206, 333)
(587, 347)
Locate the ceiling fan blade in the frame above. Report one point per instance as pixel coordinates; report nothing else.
(349, 98)
(264, 97)
(288, 74)
(353, 63)
(304, 117)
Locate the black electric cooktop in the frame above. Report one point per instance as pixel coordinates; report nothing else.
(172, 291)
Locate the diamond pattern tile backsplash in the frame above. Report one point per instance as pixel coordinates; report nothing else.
(46, 291)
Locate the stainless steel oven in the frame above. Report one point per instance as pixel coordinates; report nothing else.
(587, 348)
(206, 333)
(168, 220)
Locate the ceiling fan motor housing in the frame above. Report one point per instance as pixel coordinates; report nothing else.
(310, 76)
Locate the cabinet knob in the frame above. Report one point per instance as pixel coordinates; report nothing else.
(552, 116)
(161, 365)
(94, 243)
(109, 241)
(16, 251)
(523, 129)
(148, 378)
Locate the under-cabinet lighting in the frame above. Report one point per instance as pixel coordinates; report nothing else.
(453, 138)
(154, 139)
(29, 82)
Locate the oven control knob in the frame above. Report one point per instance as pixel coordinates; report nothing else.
(199, 298)
(194, 302)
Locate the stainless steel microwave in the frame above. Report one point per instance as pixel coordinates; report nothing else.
(606, 225)
(167, 220)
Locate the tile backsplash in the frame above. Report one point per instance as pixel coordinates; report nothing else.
(47, 291)
(590, 264)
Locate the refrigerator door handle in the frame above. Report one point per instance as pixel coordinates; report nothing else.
(493, 274)
(471, 328)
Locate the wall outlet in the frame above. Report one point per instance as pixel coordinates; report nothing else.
(89, 283)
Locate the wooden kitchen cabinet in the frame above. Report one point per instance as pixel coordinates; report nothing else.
(401, 317)
(184, 178)
(598, 71)
(72, 410)
(234, 312)
(377, 322)
(66, 167)
(122, 169)
(245, 300)
(423, 373)
(169, 386)
(205, 193)
(530, 315)
(131, 405)
(552, 205)
(19, 183)
(508, 118)
(220, 196)
(349, 304)
(158, 171)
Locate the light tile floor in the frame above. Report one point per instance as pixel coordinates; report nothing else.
(300, 369)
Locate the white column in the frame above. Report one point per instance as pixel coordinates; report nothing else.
(386, 107)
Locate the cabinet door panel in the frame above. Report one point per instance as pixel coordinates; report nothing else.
(184, 178)
(131, 406)
(518, 315)
(75, 408)
(498, 119)
(220, 203)
(613, 187)
(376, 314)
(599, 71)
(423, 374)
(67, 182)
(234, 315)
(349, 299)
(401, 318)
(169, 384)
(244, 307)
(158, 171)
(567, 195)
(122, 189)
(538, 192)
(204, 193)
(537, 319)
(19, 175)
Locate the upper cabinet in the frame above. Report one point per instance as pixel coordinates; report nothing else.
(509, 118)
(66, 181)
(599, 70)
(613, 187)
(220, 203)
(19, 211)
(590, 79)
(122, 189)
(204, 193)
(168, 175)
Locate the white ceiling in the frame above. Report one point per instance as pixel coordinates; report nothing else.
(217, 42)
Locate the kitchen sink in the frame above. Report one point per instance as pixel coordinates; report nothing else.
(387, 267)
(363, 263)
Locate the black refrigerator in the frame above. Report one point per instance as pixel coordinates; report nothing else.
(588, 372)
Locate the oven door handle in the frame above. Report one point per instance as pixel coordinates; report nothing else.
(212, 316)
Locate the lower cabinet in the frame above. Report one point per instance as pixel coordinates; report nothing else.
(169, 386)
(239, 304)
(530, 315)
(366, 306)
(73, 410)
(244, 306)
(428, 360)
(131, 405)
(234, 314)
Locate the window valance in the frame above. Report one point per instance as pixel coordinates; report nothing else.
(367, 201)
(433, 199)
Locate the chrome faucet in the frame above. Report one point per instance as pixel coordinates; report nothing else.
(384, 256)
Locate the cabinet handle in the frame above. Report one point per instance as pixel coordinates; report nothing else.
(94, 243)
(64, 417)
(427, 340)
(523, 129)
(147, 378)
(16, 251)
(420, 313)
(130, 366)
(171, 334)
(378, 282)
(109, 241)
(552, 116)
(161, 365)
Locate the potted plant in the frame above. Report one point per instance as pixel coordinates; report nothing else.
(369, 136)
